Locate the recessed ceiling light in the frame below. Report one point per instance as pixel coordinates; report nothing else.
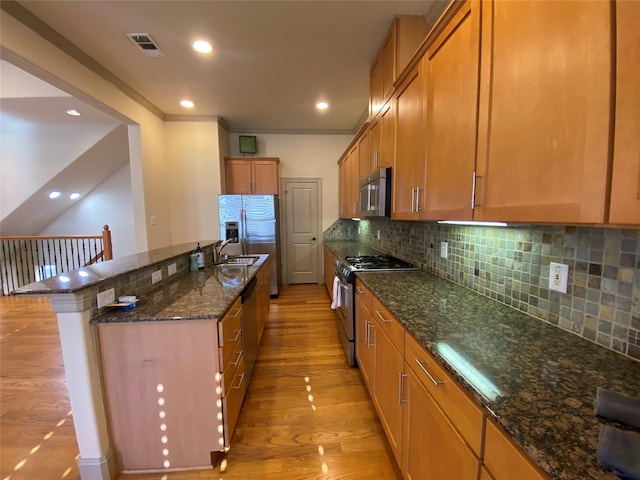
(187, 103)
(322, 105)
(202, 46)
(74, 195)
(73, 112)
(54, 194)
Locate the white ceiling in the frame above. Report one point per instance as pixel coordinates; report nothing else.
(272, 60)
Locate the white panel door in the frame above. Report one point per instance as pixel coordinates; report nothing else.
(302, 210)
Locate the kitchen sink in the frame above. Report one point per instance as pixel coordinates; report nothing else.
(247, 260)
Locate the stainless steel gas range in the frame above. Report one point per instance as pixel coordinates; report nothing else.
(345, 274)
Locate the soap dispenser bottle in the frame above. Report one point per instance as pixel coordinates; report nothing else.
(200, 256)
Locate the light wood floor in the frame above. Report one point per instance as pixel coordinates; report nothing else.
(37, 439)
(307, 414)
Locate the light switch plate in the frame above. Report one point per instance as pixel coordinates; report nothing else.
(444, 250)
(156, 276)
(106, 297)
(558, 277)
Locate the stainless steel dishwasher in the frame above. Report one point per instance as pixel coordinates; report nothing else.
(250, 327)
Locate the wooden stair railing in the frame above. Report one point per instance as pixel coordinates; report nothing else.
(28, 259)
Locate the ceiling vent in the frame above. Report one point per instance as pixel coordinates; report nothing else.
(147, 44)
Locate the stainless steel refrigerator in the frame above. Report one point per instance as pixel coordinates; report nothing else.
(253, 221)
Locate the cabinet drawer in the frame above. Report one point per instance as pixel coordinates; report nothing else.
(462, 411)
(232, 403)
(505, 460)
(389, 325)
(230, 369)
(364, 295)
(230, 333)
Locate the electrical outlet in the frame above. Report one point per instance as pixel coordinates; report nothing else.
(558, 277)
(106, 297)
(377, 234)
(153, 220)
(171, 269)
(444, 250)
(156, 276)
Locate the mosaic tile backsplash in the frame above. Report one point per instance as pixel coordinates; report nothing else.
(511, 265)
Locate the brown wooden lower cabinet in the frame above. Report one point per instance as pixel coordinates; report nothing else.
(434, 427)
(387, 397)
(485, 475)
(171, 407)
(504, 459)
(329, 268)
(432, 447)
(365, 342)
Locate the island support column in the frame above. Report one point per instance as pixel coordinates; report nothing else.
(81, 365)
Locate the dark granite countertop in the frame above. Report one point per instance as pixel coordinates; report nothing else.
(205, 294)
(99, 272)
(546, 377)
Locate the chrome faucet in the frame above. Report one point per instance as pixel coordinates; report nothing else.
(217, 249)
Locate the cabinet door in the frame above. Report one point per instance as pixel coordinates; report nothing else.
(238, 176)
(343, 184)
(407, 173)
(365, 342)
(625, 188)
(387, 135)
(388, 389)
(354, 182)
(375, 85)
(450, 74)
(364, 158)
(389, 62)
(431, 446)
(374, 145)
(504, 460)
(545, 94)
(265, 177)
(329, 269)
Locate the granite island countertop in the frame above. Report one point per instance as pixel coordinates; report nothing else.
(547, 377)
(98, 273)
(203, 295)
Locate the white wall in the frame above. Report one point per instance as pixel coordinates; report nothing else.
(108, 204)
(193, 158)
(149, 173)
(31, 154)
(305, 156)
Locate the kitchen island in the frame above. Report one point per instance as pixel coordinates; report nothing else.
(200, 299)
(536, 382)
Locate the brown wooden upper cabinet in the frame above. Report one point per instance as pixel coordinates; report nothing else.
(252, 176)
(408, 168)
(450, 75)
(544, 111)
(625, 187)
(400, 45)
(348, 183)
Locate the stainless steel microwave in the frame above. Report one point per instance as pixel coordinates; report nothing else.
(375, 194)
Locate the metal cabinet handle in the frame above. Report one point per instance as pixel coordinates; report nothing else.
(239, 382)
(237, 359)
(235, 339)
(238, 312)
(384, 320)
(473, 190)
(418, 199)
(400, 388)
(370, 326)
(413, 199)
(421, 363)
(359, 290)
